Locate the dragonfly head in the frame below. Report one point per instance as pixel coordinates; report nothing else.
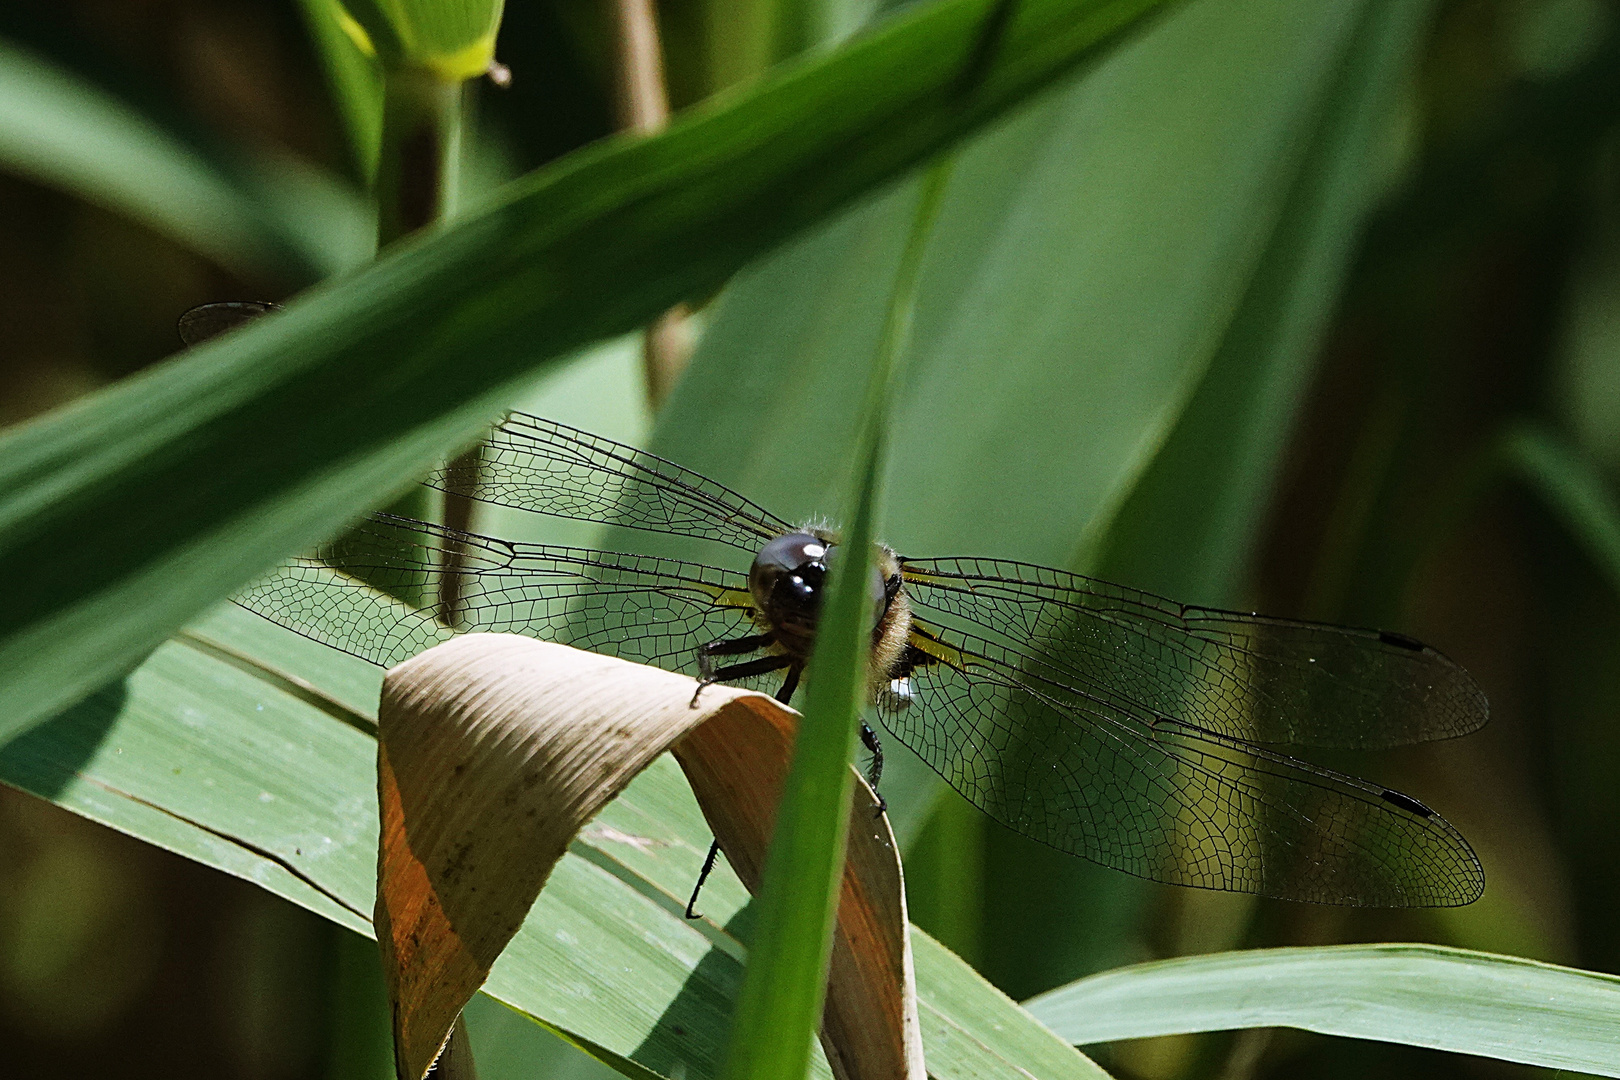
(788, 580)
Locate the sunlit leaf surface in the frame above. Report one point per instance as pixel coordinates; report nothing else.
(1423, 995)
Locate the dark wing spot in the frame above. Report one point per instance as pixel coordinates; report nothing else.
(1389, 637)
(1407, 803)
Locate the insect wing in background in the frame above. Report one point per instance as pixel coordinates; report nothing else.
(1103, 721)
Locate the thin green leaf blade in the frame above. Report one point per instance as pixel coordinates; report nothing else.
(1469, 1002)
(779, 1007)
(1573, 489)
(253, 446)
(781, 1000)
(59, 129)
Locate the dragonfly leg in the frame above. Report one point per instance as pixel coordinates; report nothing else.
(703, 875)
(786, 692)
(733, 672)
(874, 773)
(734, 647)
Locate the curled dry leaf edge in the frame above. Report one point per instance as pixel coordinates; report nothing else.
(494, 750)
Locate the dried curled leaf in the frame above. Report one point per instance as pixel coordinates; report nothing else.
(495, 750)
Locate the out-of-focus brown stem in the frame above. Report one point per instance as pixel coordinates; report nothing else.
(642, 100)
(460, 488)
(421, 144)
(417, 177)
(643, 104)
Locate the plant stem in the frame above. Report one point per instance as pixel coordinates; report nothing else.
(417, 171)
(643, 102)
(418, 174)
(643, 106)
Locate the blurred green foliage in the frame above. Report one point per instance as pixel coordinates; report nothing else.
(1312, 309)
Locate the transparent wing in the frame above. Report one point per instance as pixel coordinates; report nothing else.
(650, 610)
(1243, 677)
(553, 469)
(1162, 799)
(210, 320)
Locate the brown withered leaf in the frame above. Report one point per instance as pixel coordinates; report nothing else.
(495, 750)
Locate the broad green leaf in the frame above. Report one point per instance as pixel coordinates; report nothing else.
(1188, 523)
(1572, 487)
(265, 768)
(1090, 254)
(60, 130)
(1422, 995)
(1134, 253)
(1189, 509)
(214, 466)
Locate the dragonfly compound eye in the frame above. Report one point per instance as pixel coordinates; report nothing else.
(787, 574)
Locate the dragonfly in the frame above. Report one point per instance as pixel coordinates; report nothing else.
(1106, 722)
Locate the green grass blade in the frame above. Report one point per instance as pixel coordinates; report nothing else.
(1422, 995)
(214, 467)
(780, 1006)
(1573, 489)
(61, 130)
